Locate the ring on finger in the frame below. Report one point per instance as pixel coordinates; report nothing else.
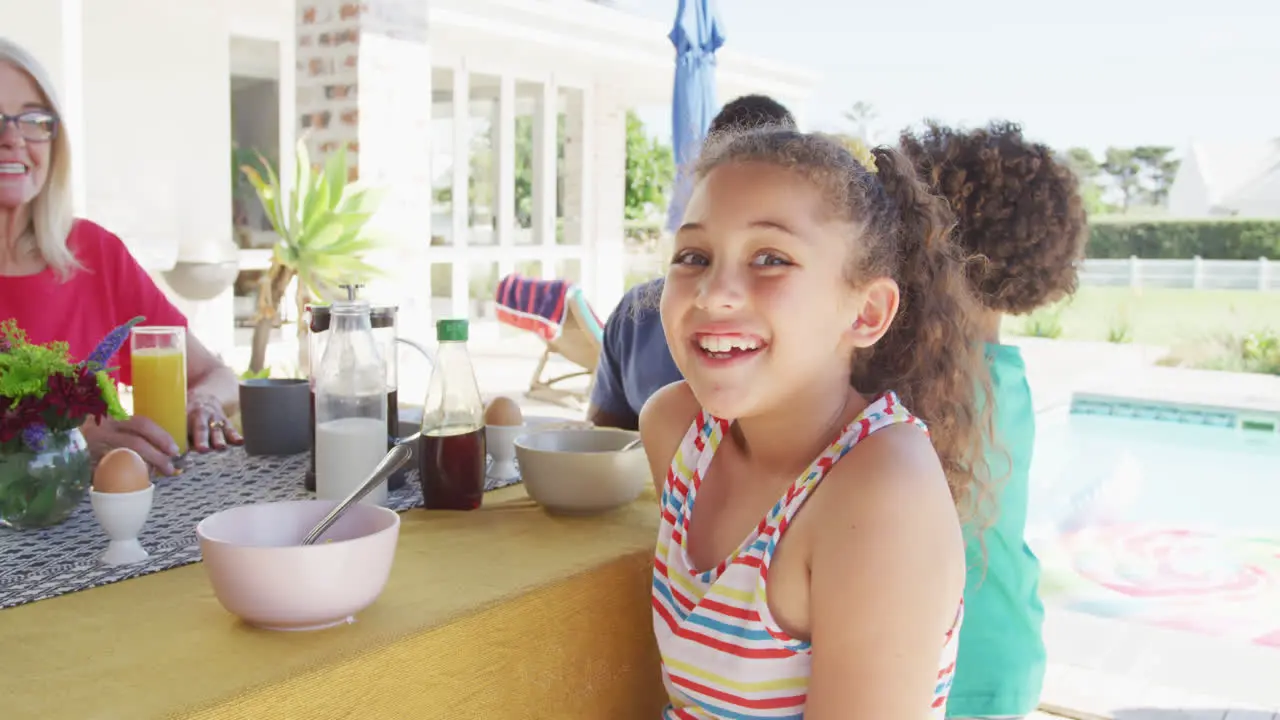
(217, 424)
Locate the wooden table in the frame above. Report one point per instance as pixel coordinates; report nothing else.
(505, 612)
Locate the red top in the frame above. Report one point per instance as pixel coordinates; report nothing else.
(109, 290)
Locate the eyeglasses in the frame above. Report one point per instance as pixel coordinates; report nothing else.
(33, 125)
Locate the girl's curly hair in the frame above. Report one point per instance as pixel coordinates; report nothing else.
(932, 354)
(1018, 209)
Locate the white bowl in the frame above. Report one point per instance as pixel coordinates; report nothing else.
(261, 574)
(580, 471)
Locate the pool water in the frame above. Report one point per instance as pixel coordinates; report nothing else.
(1160, 522)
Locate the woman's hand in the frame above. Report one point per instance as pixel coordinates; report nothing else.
(208, 425)
(152, 443)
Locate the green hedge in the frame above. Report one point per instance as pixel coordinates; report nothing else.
(1210, 239)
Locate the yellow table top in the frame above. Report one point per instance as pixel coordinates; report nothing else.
(161, 646)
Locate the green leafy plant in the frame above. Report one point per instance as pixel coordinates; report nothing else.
(256, 374)
(323, 234)
(1252, 352)
(42, 392)
(1121, 328)
(44, 399)
(1044, 323)
(1260, 352)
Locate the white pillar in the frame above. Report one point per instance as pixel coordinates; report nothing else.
(544, 173)
(578, 187)
(505, 193)
(287, 90)
(608, 158)
(461, 205)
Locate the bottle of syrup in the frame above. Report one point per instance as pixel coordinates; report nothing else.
(451, 453)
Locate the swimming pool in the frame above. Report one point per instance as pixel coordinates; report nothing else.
(1170, 523)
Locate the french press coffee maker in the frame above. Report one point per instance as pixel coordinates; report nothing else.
(383, 322)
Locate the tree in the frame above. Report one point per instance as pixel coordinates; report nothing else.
(1082, 161)
(1126, 174)
(651, 168)
(1088, 170)
(860, 115)
(1157, 171)
(483, 173)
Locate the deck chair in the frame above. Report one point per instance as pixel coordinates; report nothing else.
(558, 312)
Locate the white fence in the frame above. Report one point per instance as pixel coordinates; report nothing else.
(1196, 273)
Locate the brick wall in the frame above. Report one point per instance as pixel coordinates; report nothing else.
(328, 63)
(364, 81)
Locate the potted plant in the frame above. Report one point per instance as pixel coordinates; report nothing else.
(45, 398)
(323, 238)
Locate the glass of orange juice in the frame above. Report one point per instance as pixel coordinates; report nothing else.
(159, 364)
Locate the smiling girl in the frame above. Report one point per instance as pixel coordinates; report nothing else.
(817, 309)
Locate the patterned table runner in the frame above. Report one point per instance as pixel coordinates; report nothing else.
(40, 564)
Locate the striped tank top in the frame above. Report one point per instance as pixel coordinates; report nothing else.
(723, 656)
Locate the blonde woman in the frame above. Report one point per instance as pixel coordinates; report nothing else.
(68, 279)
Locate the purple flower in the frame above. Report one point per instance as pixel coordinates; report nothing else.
(110, 344)
(35, 436)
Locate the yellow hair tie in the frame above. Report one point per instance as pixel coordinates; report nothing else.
(860, 151)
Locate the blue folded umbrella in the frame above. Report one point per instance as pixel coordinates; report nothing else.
(697, 35)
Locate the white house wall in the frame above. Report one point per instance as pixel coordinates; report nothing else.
(1261, 199)
(1237, 179)
(1189, 194)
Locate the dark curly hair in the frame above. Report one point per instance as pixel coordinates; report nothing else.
(932, 353)
(748, 112)
(1017, 208)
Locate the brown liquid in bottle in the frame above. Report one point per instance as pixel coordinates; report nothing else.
(452, 470)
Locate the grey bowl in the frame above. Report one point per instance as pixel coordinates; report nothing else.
(581, 471)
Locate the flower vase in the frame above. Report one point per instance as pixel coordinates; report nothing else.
(40, 489)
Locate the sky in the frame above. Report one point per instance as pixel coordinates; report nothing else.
(1091, 73)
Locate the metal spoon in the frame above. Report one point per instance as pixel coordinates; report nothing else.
(390, 462)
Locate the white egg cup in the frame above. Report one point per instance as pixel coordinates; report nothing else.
(501, 444)
(122, 516)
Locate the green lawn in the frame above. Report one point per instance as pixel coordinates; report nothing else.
(1156, 316)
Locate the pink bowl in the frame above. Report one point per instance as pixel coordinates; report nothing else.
(260, 573)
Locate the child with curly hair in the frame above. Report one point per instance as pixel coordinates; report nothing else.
(817, 309)
(1020, 212)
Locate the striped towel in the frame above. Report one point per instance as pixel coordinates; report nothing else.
(534, 305)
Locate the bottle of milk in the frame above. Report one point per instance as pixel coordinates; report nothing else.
(351, 405)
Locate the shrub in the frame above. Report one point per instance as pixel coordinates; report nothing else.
(1172, 239)
(1254, 352)
(1120, 330)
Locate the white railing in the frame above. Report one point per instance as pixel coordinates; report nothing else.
(1196, 273)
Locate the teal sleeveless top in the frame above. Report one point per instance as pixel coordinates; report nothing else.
(1001, 662)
